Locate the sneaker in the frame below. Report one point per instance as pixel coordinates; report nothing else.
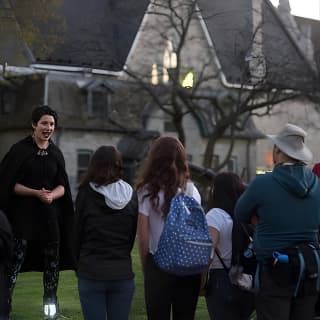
(50, 309)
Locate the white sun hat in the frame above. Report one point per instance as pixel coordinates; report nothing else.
(290, 140)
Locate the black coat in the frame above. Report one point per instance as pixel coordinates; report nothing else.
(9, 171)
(6, 240)
(6, 244)
(104, 237)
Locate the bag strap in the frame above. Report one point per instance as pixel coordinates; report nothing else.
(189, 189)
(222, 262)
(309, 263)
(246, 232)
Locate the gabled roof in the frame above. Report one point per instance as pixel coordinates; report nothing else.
(13, 49)
(288, 65)
(99, 34)
(91, 34)
(311, 27)
(230, 26)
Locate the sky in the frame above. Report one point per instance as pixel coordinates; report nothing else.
(304, 8)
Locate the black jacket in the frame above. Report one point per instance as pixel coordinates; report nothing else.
(104, 237)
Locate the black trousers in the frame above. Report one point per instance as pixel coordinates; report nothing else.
(51, 266)
(4, 292)
(225, 301)
(166, 294)
(278, 303)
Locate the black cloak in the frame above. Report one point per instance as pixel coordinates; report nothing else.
(6, 246)
(9, 168)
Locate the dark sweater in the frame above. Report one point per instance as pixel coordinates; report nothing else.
(104, 237)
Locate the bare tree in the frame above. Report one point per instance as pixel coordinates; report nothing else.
(256, 93)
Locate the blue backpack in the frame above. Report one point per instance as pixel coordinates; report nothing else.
(185, 243)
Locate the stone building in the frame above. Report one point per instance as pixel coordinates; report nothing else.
(86, 71)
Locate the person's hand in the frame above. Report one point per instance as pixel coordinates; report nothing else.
(203, 286)
(46, 196)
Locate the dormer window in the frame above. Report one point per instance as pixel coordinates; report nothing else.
(98, 103)
(99, 94)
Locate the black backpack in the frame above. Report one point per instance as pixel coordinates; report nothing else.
(242, 252)
(243, 260)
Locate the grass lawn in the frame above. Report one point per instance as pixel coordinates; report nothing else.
(27, 300)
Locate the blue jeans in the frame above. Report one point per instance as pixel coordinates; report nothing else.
(101, 298)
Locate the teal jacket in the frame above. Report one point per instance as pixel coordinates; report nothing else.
(287, 203)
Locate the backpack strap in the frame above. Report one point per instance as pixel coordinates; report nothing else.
(222, 262)
(301, 270)
(241, 239)
(308, 255)
(246, 232)
(315, 251)
(189, 189)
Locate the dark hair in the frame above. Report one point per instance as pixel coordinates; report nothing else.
(105, 167)
(166, 168)
(38, 112)
(226, 189)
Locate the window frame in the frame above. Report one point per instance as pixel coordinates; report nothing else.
(81, 169)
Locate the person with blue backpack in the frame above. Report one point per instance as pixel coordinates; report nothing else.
(225, 301)
(164, 174)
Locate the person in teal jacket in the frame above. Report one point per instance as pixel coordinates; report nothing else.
(286, 205)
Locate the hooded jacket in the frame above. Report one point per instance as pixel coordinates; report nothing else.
(287, 203)
(105, 231)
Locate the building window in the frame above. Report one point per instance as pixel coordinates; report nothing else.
(98, 103)
(154, 74)
(7, 101)
(169, 61)
(83, 160)
(232, 164)
(188, 80)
